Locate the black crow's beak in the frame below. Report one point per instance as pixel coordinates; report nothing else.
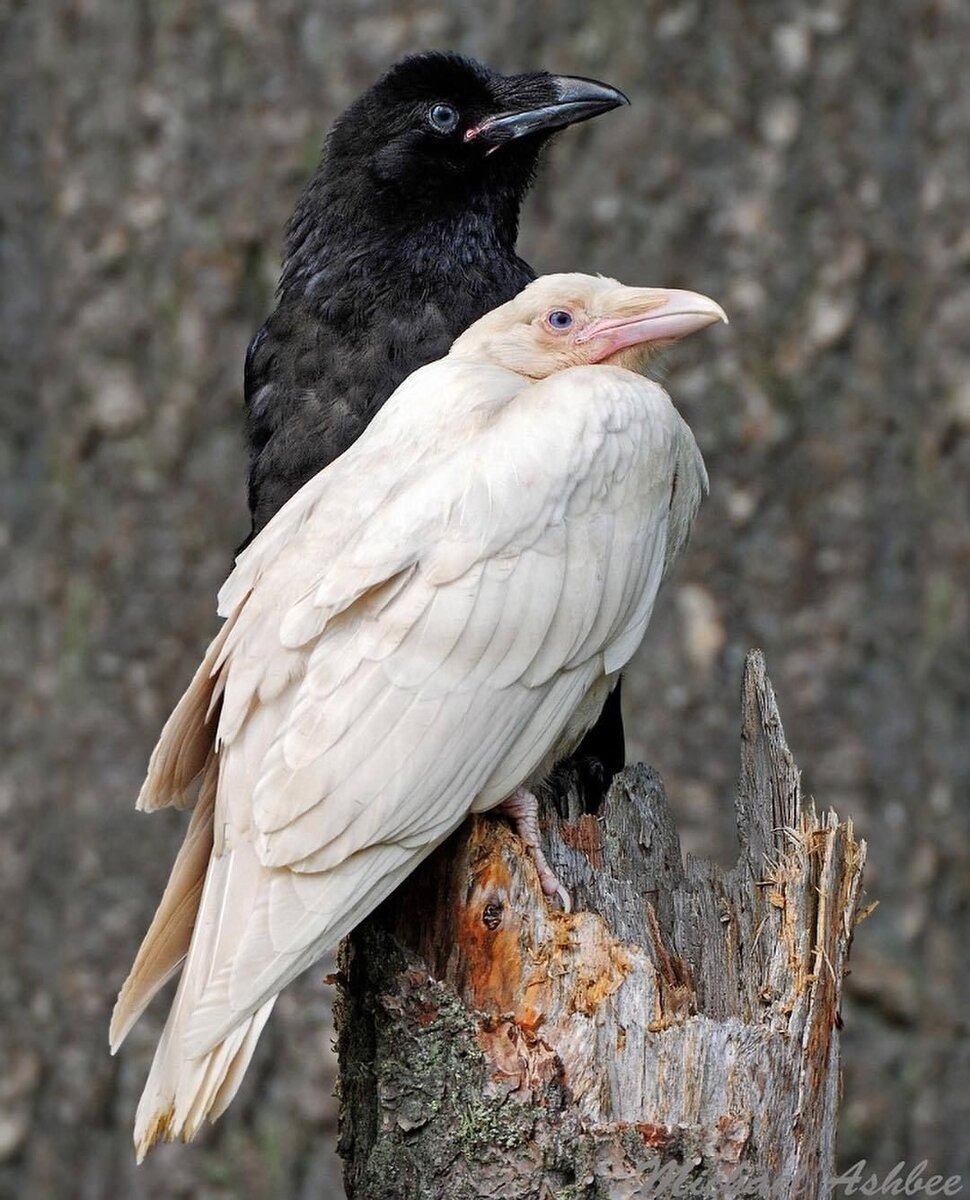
(574, 99)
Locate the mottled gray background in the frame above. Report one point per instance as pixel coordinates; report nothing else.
(806, 164)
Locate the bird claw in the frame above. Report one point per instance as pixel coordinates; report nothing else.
(522, 809)
(565, 900)
(548, 880)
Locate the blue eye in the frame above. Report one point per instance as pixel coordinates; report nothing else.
(560, 319)
(443, 117)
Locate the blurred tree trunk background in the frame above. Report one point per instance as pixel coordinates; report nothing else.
(807, 165)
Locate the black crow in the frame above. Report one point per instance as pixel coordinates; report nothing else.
(403, 237)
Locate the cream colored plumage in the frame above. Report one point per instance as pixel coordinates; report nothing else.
(424, 628)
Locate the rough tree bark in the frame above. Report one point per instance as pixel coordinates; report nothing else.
(678, 1030)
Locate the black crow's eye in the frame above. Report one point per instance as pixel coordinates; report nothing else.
(560, 319)
(443, 117)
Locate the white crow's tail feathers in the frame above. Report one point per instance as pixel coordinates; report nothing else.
(166, 943)
(256, 928)
(181, 1092)
(185, 1087)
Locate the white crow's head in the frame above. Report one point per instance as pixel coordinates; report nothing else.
(573, 320)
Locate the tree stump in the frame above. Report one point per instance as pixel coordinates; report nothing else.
(677, 1034)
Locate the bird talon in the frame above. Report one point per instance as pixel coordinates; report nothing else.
(522, 808)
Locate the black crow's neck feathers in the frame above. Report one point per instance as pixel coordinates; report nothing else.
(343, 225)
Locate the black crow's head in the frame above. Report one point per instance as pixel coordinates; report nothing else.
(439, 125)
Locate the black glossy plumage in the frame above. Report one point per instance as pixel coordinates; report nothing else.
(403, 238)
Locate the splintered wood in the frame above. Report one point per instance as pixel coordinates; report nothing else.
(677, 1034)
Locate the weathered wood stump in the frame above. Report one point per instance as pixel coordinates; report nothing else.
(677, 1034)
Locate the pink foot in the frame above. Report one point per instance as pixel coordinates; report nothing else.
(522, 809)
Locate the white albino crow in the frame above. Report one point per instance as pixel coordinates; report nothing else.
(421, 632)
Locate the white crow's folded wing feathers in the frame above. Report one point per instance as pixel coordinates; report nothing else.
(452, 632)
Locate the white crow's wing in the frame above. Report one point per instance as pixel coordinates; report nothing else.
(374, 694)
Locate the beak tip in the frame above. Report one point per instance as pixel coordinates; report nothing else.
(711, 308)
(582, 89)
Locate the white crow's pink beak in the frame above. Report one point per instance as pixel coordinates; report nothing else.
(665, 316)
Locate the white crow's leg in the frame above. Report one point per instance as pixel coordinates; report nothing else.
(522, 808)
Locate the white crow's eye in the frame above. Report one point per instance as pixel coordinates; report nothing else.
(443, 117)
(560, 319)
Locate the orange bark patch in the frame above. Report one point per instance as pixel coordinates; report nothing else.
(584, 835)
(489, 933)
(521, 957)
(653, 1135)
